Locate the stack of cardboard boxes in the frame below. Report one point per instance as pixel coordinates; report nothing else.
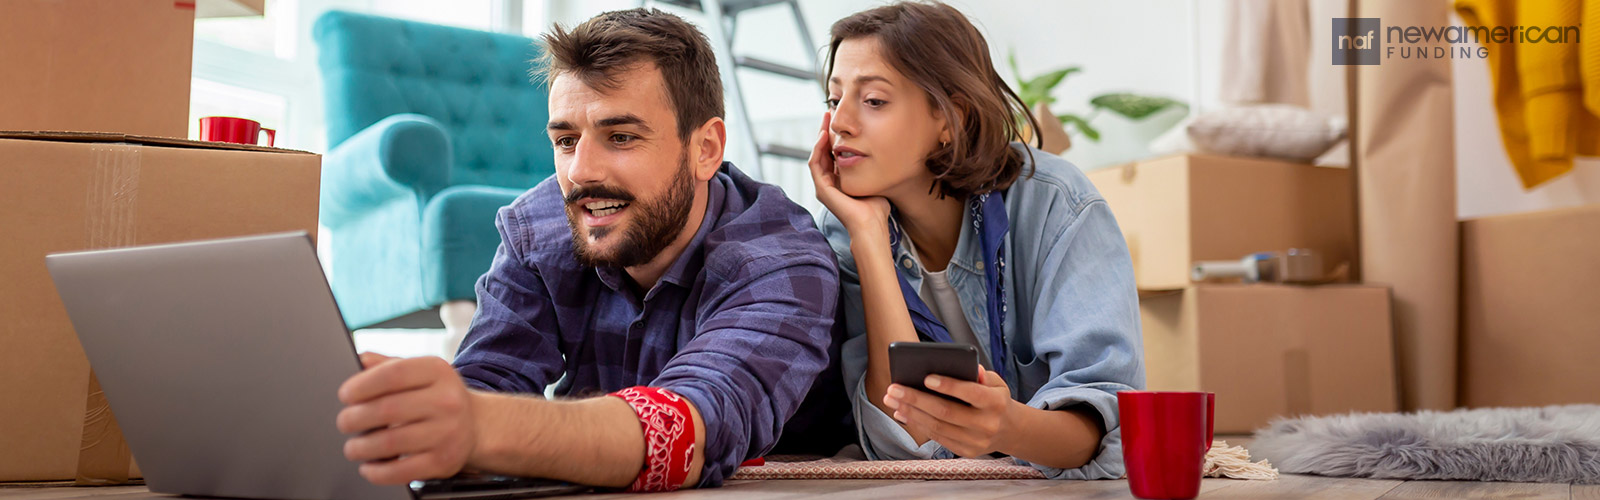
(1266, 350)
(93, 108)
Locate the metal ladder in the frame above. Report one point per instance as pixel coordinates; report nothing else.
(722, 18)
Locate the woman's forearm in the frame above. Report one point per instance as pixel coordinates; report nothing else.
(887, 317)
(1064, 439)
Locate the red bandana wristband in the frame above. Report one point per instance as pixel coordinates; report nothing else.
(668, 437)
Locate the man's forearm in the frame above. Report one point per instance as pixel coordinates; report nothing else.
(594, 441)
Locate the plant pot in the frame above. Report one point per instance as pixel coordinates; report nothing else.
(1053, 133)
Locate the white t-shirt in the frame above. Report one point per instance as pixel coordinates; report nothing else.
(942, 300)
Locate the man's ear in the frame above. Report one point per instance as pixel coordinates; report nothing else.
(709, 141)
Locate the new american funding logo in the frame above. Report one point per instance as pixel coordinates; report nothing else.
(1366, 41)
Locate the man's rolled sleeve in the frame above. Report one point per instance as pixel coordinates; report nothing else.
(763, 340)
(884, 439)
(1107, 462)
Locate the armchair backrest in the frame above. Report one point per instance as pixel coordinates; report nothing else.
(475, 83)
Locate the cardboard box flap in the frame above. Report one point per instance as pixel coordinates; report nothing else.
(1129, 169)
(1150, 293)
(112, 137)
(1178, 209)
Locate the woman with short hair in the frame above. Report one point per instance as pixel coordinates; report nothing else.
(947, 230)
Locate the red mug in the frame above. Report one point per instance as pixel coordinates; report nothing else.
(234, 130)
(1165, 437)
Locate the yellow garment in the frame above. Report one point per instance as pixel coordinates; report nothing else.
(1541, 88)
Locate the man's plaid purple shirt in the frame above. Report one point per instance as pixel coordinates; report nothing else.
(741, 324)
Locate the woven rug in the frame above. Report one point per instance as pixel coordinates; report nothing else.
(1221, 461)
(851, 468)
(1553, 444)
(852, 463)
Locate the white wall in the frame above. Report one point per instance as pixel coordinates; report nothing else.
(1485, 182)
(1132, 45)
(1165, 47)
(1144, 46)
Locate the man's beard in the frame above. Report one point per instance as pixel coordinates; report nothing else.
(654, 224)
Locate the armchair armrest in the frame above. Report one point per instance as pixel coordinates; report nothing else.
(459, 239)
(400, 156)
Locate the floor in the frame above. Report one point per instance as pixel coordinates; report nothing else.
(403, 342)
(1288, 486)
(430, 342)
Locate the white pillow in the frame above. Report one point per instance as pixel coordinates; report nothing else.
(1269, 130)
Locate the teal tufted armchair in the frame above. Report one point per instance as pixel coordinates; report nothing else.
(431, 129)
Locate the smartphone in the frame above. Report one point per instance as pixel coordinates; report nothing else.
(911, 362)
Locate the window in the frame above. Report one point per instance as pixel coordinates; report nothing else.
(271, 34)
(264, 68)
(475, 14)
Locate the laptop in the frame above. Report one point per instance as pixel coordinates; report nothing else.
(222, 360)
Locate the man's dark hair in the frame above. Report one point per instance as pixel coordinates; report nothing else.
(613, 42)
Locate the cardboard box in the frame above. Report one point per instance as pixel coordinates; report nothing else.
(1530, 308)
(1180, 209)
(63, 192)
(1273, 350)
(92, 65)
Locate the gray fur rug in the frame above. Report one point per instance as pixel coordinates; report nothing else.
(1554, 444)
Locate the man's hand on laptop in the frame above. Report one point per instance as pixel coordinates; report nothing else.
(407, 418)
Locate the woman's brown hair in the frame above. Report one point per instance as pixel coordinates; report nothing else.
(935, 46)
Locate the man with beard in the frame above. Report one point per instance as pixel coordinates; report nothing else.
(646, 268)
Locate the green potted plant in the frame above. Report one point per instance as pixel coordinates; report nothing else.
(1036, 95)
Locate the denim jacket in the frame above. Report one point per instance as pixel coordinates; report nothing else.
(1071, 326)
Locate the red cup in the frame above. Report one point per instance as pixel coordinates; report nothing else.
(1165, 437)
(234, 130)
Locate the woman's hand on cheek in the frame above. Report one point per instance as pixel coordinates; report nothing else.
(857, 214)
(967, 431)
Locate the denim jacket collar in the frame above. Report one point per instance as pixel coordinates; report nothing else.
(981, 255)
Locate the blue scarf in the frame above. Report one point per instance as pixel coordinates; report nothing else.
(991, 222)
